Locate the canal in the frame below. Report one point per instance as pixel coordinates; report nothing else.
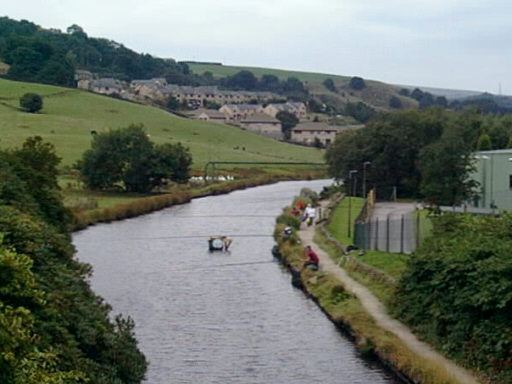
(219, 317)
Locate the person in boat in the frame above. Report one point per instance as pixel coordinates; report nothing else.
(226, 242)
(215, 243)
(312, 258)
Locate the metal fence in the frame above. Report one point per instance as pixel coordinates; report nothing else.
(395, 233)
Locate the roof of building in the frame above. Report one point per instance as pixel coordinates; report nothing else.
(315, 127)
(260, 118)
(106, 82)
(211, 113)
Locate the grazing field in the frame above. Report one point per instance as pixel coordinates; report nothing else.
(69, 116)
(227, 70)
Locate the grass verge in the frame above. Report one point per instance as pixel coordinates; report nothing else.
(343, 308)
(341, 219)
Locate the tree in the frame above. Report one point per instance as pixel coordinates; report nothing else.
(288, 121)
(484, 143)
(172, 103)
(127, 158)
(241, 80)
(417, 94)
(357, 83)
(404, 92)
(31, 102)
(392, 143)
(359, 111)
(445, 166)
(170, 162)
(395, 102)
(329, 84)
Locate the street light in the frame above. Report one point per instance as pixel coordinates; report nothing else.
(365, 164)
(352, 172)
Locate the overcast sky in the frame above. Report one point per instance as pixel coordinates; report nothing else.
(459, 44)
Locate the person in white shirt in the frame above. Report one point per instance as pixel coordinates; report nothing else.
(310, 212)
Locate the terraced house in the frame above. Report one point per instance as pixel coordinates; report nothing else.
(296, 108)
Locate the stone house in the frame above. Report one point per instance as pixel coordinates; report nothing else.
(106, 86)
(151, 89)
(209, 115)
(296, 108)
(83, 79)
(199, 96)
(240, 111)
(262, 124)
(307, 133)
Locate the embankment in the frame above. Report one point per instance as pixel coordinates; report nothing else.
(347, 312)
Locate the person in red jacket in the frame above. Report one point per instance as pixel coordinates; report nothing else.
(312, 257)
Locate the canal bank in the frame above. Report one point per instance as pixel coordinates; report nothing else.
(354, 309)
(148, 204)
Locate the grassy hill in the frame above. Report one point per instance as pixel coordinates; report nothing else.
(376, 94)
(69, 116)
(228, 70)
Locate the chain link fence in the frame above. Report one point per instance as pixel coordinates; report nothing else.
(395, 233)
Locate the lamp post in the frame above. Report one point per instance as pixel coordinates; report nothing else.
(352, 172)
(365, 164)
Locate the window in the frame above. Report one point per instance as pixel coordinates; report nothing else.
(510, 182)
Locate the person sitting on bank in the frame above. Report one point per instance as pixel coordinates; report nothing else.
(313, 259)
(309, 214)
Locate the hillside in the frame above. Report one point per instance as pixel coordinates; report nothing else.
(69, 116)
(376, 94)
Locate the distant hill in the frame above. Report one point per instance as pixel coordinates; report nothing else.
(69, 116)
(450, 94)
(376, 94)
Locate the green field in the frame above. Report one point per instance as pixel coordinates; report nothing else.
(227, 70)
(339, 224)
(69, 116)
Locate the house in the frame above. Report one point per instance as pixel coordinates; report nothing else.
(106, 86)
(493, 173)
(296, 108)
(209, 115)
(199, 96)
(83, 79)
(151, 89)
(240, 111)
(262, 124)
(308, 133)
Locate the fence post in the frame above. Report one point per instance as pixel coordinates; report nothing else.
(418, 223)
(369, 239)
(387, 233)
(402, 234)
(376, 233)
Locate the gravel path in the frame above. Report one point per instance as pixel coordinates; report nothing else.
(375, 308)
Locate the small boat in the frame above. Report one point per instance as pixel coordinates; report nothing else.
(216, 243)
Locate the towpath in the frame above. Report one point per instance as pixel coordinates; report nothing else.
(377, 310)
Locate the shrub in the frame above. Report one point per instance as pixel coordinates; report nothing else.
(31, 102)
(357, 83)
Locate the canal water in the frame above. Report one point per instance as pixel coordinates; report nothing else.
(219, 317)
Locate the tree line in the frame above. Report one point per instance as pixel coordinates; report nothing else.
(423, 153)
(53, 328)
(51, 56)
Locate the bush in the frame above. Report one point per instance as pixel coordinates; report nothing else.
(31, 102)
(357, 83)
(395, 102)
(457, 291)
